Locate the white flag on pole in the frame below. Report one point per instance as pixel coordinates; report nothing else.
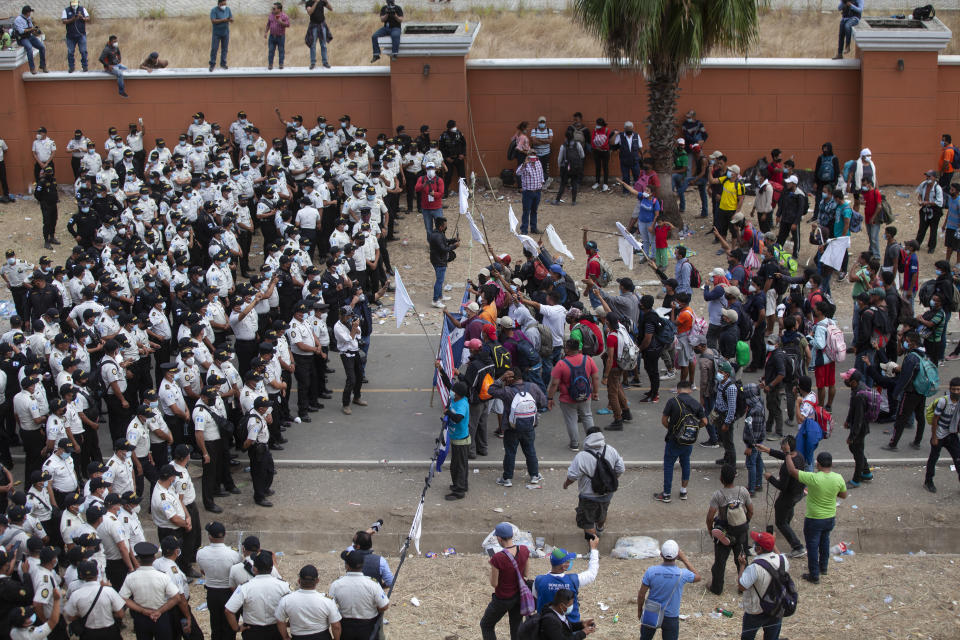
(402, 302)
(529, 244)
(636, 244)
(417, 527)
(474, 231)
(626, 252)
(512, 217)
(556, 242)
(464, 196)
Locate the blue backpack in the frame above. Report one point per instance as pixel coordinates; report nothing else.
(927, 379)
(579, 387)
(826, 173)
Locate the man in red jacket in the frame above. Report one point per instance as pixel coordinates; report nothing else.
(430, 189)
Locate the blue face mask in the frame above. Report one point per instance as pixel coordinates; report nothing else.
(65, 455)
(730, 174)
(719, 377)
(939, 272)
(905, 344)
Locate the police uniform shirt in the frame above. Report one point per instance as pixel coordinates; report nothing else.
(44, 148)
(130, 352)
(44, 582)
(190, 378)
(339, 238)
(245, 328)
(119, 473)
(273, 375)
(111, 372)
(307, 612)
(72, 416)
(91, 163)
(40, 504)
(75, 287)
(76, 314)
(184, 485)
(307, 218)
(241, 573)
(197, 159)
(62, 474)
(56, 428)
(131, 526)
(82, 599)
(216, 312)
(318, 325)
(17, 273)
(357, 596)
(177, 577)
(300, 333)
(92, 499)
(202, 358)
(190, 206)
(112, 533)
(259, 598)
(283, 351)
(76, 147)
(203, 420)
(65, 297)
(27, 409)
(169, 396)
(139, 436)
(13, 534)
(30, 633)
(159, 324)
(164, 504)
(148, 587)
(369, 248)
(257, 430)
(156, 423)
(55, 360)
(69, 522)
(215, 561)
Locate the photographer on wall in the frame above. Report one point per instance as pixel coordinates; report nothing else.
(391, 15)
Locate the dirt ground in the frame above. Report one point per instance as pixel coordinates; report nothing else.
(851, 602)
(21, 223)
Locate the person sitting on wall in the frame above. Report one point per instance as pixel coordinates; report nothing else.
(152, 62)
(110, 59)
(391, 15)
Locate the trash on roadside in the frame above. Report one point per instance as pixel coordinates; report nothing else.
(636, 547)
(414, 601)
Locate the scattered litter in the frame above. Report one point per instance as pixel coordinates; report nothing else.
(449, 551)
(202, 606)
(636, 547)
(888, 566)
(714, 614)
(854, 506)
(498, 509)
(448, 287)
(520, 537)
(476, 470)
(888, 600)
(430, 554)
(354, 504)
(25, 218)
(838, 558)
(602, 606)
(684, 616)
(953, 467)
(201, 581)
(414, 601)
(534, 486)
(418, 413)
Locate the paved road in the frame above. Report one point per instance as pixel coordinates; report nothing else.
(399, 425)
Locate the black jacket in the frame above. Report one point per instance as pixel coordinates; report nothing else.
(727, 340)
(790, 488)
(452, 144)
(553, 628)
(793, 206)
(857, 417)
(439, 248)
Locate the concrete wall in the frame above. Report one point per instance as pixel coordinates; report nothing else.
(137, 8)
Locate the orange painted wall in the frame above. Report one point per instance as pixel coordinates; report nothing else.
(948, 105)
(747, 111)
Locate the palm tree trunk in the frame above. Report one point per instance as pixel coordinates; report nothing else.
(662, 92)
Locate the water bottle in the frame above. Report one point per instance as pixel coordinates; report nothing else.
(838, 548)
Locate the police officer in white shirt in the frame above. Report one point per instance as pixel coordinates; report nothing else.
(63, 476)
(167, 563)
(360, 599)
(31, 419)
(208, 414)
(122, 468)
(244, 324)
(43, 149)
(129, 518)
(99, 606)
(114, 377)
(347, 333)
(261, 460)
(259, 599)
(116, 542)
(215, 561)
(166, 509)
(147, 592)
(304, 613)
(172, 404)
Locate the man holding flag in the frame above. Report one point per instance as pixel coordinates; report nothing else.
(457, 414)
(440, 248)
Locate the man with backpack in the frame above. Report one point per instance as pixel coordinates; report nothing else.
(790, 211)
(768, 591)
(725, 410)
(858, 423)
(930, 198)
(825, 174)
(596, 470)
(825, 368)
(620, 358)
(570, 160)
(728, 520)
(521, 404)
(774, 374)
(683, 417)
(577, 380)
(479, 373)
(523, 356)
(655, 334)
(905, 388)
(944, 424)
(949, 161)
(662, 584)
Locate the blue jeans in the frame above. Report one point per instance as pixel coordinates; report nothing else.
(393, 32)
(672, 451)
(118, 70)
(630, 169)
(429, 215)
(531, 202)
(704, 198)
(535, 375)
(439, 272)
(753, 623)
(523, 438)
(816, 534)
(594, 300)
(319, 36)
(72, 44)
(31, 43)
(846, 32)
(873, 232)
(754, 470)
(221, 42)
(679, 181)
(669, 630)
(273, 44)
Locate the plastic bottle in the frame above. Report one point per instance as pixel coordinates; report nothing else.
(724, 612)
(838, 548)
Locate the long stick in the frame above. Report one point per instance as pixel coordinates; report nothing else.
(608, 233)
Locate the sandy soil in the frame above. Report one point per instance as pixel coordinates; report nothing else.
(21, 225)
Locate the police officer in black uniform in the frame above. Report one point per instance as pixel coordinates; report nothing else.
(14, 591)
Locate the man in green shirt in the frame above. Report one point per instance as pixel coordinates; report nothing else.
(823, 488)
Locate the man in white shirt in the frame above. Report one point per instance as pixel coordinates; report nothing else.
(148, 592)
(116, 542)
(43, 150)
(259, 598)
(215, 561)
(256, 445)
(305, 613)
(347, 333)
(104, 610)
(360, 599)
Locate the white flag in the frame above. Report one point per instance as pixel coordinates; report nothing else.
(512, 217)
(417, 527)
(474, 231)
(626, 252)
(636, 244)
(402, 302)
(556, 242)
(464, 196)
(529, 244)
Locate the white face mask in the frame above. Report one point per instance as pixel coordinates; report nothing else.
(39, 136)
(454, 129)
(431, 173)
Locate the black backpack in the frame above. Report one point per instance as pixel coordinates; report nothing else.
(512, 149)
(741, 408)
(502, 361)
(780, 598)
(926, 12)
(530, 628)
(603, 481)
(793, 361)
(573, 157)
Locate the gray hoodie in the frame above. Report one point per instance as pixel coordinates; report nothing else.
(584, 464)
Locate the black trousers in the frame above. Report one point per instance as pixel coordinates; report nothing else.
(275, 432)
(49, 212)
(116, 572)
(721, 552)
(931, 223)
(159, 452)
(785, 232)
(911, 408)
(3, 178)
(146, 629)
(651, 364)
(354, 383)
(244, 238)
(318, 380)
(726, 440)
(75, 166)
(107, 633)
(268, 632)
(149, 472)
(191, 539)
(118, 417)
(176, 427)
(357, 629)
(459, 473)
(571, 178)
(261, 470)
(496, 609)
(90, 447)
(456, 165)
(219, 629)
(33, 443)
(161, 356)
(410, 179)
(306, 391)
(952, 444)
(783, 508)
(19, 295)
(213, 471)
(860, 465)
(246, 350)
(601, 163)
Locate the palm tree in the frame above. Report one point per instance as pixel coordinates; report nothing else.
(665, 39)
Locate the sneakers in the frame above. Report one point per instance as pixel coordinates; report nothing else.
(347, 411)
(866, 476)
(648, 398)
(929, 486)
(853, 484)
(574, 446)
(604, 188)
(720, 537)
(603, 412)
(797, 553)
(616, 425)
(683, 494)
(888, 447)
(669, 375)
(446, 298)
(359, 402)
(662, 497)
(537, 479)
(627, 416)
(504, 482)
(596, 185)
(811, 579)
(437, 304)
(710, 445)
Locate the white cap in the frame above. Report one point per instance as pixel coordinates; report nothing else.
(792, 180)
(681, 141)
(430, 165)
(865, 152)
(670, 550)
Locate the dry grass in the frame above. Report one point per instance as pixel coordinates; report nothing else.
(523, 34)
